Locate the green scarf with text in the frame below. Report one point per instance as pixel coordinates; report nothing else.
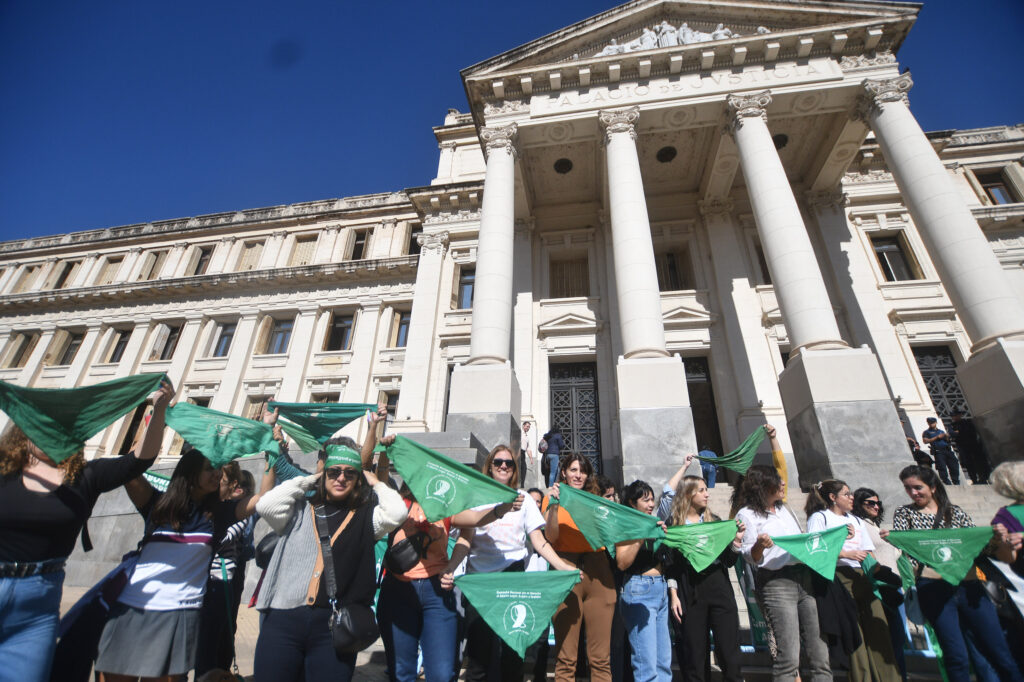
(604, 522)
(60, 420)
(819, 551)
(701, 543)
(740, 459)
(517, 606)
(311, 425)
(441, 485)
(950, 551)
(221, 437)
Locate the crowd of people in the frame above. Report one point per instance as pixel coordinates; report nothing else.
(171, 608)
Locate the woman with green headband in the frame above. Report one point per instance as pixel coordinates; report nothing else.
(295, 639)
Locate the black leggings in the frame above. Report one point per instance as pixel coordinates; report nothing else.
(297, 641)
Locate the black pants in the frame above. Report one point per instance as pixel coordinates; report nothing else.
(945, 459)
(488, 657)
(216, 645)
(713, 609)
(294, 642)
(972, 459)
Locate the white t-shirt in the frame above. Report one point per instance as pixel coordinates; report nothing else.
(826, 518)
(503, 542)
(780, 522)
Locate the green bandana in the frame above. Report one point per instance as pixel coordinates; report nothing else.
(59, 420)
(906, 570)
(868, 566)
(701, 543)
(950, 551)
(340, 454)
(311, 425)
(740, 459)
(604, 523)
(819, 551)
(1017, 512)
(221, 437)
(518, 608)
(441, 485)
(158, 481)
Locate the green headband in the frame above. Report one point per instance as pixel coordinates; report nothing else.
(341, 454)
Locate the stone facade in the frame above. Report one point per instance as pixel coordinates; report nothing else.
(739, 225)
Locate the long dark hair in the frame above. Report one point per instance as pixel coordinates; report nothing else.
(634, 492)
(821, 494)
(176, 506)
(361, 490)
(859, 496)
(566, 461)
(931, 479)
(760, 484)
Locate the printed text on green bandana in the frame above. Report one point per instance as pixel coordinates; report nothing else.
(603, 522)
(701, 543)
(950, 551)
(819, 551)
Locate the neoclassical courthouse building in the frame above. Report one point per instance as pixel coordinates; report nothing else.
(656, 229)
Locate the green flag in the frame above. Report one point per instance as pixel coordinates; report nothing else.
(604, 523)
(60, 420)
(906, 570)
(221, 437)
(158, 481)
(868, 566)
(701, 543)
(312, 424)
(441, 485)
(740, 459)
(819, 551)
(950, 551)
(1017, 512)
(517, 606)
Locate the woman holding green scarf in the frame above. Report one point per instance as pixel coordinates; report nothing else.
(44, 504)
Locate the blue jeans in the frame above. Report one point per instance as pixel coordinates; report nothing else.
(644, 609)
(553, 475)
(418, 614)
(791, 610)
(709, 471)
(956, 610)
(29, 613)
(295, 644)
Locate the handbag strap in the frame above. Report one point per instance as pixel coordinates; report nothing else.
(331, 586)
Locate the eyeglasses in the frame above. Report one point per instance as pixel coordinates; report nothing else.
(347, 474)
(500, 463)
(870, 503)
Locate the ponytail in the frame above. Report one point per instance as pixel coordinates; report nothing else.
(821, 494)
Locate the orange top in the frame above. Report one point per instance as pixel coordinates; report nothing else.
(570, 539)
(436, 555)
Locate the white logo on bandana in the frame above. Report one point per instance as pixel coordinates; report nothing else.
(519, 618)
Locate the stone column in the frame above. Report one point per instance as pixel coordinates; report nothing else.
(422, 342)
(33, 366)
(221, 255)
(993, 377)
(655, 420)
(173, 266)
(8, 275)
(325, 245)
(90, 270)
(485, 398)
(83, 358)
(238, 357)
(364, 349)
(840, 415)
(129, 270)
(298, 353)
(44, 274)
(181, 361)
(99, 444)
(274, 252)
(524, 341)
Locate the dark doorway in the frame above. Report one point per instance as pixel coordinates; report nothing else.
(702, 404)
(574, 408)
(938, 369)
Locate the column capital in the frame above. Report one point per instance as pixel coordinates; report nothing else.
(279, 234)
(388, 222)
(749, 105)
(447, 144)
(879, 91)
(500, 137)
(619, 121)
(525, 226)
(715, 206)
(432, 241)
(820, 200)
(229, 239)
(135, 250)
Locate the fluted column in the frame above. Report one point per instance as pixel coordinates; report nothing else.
(636, 274)
(969, 270)
(492, 296)
(799, 287)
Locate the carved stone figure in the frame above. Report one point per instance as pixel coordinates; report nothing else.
(667, 35)
(721, 33)
(612, 48)
(648, 39)
(761, 30)
(686, 34)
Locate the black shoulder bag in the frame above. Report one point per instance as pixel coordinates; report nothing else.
(353, 626)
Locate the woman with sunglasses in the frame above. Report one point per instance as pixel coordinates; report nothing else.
(295, 638)
(502, 545)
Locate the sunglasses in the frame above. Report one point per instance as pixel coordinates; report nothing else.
(499, 463)
(870, 503)
(347, 474)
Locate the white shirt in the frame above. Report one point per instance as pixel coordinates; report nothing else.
(826, 518)
(780, 522)
(503, 542)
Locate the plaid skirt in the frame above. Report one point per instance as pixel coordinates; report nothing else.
(148, 643)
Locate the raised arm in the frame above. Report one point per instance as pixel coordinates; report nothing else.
(370, 441)
(778, 458)
(246, 506)
(474, 518)
(150, 446)
(278, 505)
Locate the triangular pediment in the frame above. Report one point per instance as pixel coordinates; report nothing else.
(652, 25)
(686, 317)
(570, 323)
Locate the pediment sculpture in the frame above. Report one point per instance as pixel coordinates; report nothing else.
(667, 35)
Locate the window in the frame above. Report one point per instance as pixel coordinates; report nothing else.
(118, 344)
(66, 273)
(464, 292)
(762, 265)
(359, 245)
(254, 406)
(570, 277)
(27, 278)
(109, 272)
(20, 350)
(134, 430)
(222, 337)
(414, 244)
(996, 188)
(325, 398)
(675, 270)
(154, 263)
(302, 254)
(400, 329)
(166, 341)
(68, 348)
(279, 333)
(894, 258)
(339, 334)
(202, 262)
(250, 258)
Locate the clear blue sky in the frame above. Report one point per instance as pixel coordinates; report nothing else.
(121, 112)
